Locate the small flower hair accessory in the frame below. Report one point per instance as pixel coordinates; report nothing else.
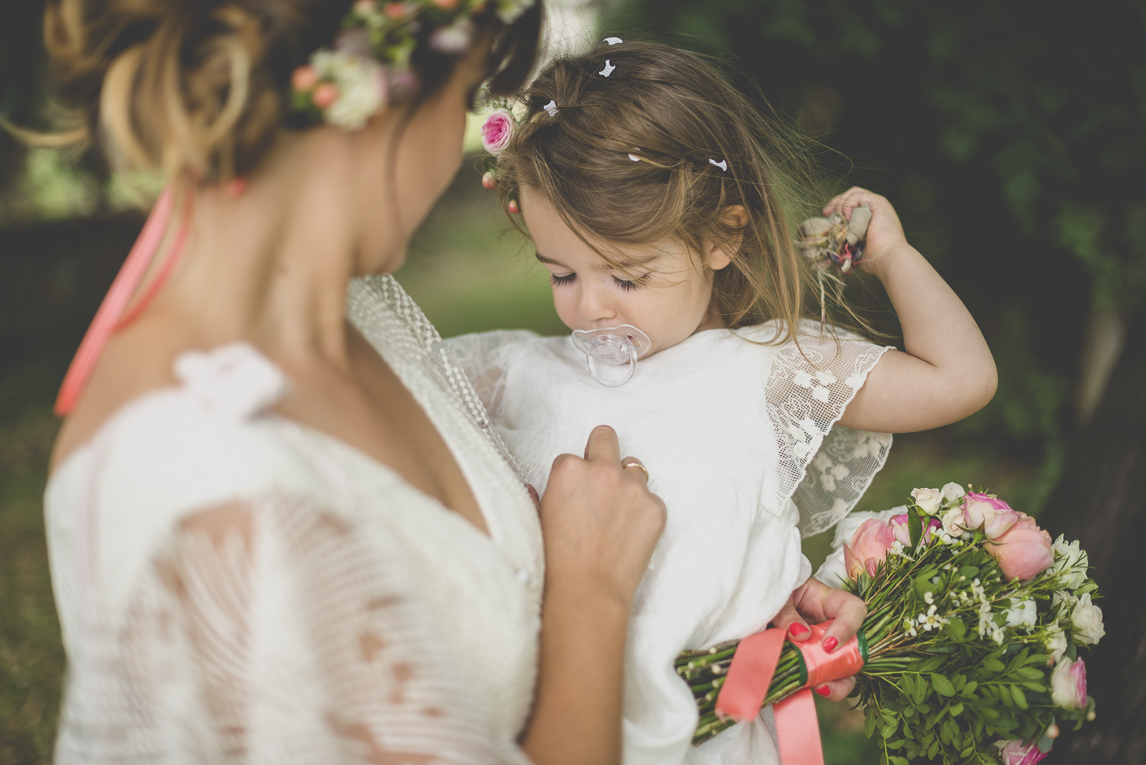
(722, 164)
(614, 40)
(551, 108)
(609, 69)
(369, 66)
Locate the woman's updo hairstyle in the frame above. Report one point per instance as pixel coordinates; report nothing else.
(662, 148)
(202, 85)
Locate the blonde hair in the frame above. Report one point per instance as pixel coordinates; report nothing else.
(675, 115)
(201, 86)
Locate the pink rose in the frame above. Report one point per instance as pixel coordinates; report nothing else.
(1068, 684)
(902, 531)
(1020, 753)
(979, 511)
(868, 548)
(497, 131)
(1024, 551)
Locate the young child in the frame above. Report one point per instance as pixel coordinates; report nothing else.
(656, 198)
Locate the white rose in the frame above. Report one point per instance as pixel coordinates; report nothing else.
(951, 520)
(952, 493)
(928, 500)
(1070, 563)
(1068, 684)
(1022, 614)
(1087, 620)
(1055, 641)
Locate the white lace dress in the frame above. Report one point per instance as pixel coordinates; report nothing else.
(736, 435)
(236, 588)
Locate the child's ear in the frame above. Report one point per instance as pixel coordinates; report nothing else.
(735, 218)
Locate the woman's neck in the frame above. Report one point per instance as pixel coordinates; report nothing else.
(271, 266)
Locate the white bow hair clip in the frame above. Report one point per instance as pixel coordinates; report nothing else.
(551, 107)
(722, 164)
(614, 40)
(608, 68)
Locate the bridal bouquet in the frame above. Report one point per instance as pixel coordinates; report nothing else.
(970, 646)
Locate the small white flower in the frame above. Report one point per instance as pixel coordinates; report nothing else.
(1055, 641)
(1087, 620)
(1022, 614)
(928, 597)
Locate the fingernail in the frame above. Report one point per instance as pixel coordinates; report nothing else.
(830, 644)
(823, 691)
(797, 630)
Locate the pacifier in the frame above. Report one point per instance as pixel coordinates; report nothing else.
(612, 352)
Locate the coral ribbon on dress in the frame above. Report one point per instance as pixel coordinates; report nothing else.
(750, 673)
(110, 315)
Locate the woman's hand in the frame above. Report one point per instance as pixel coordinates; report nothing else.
(814, 602)
(600, 525)
(599, 520)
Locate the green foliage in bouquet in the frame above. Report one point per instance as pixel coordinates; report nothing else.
(974, 622)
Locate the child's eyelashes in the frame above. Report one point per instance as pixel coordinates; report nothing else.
(624, 284)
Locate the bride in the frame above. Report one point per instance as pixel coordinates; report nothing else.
(280, 526)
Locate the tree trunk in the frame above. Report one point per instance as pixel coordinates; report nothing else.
(1101, 501)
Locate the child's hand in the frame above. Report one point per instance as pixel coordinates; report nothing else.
(884, 234)
(814, 602)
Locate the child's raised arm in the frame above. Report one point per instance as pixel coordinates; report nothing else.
(947, 372)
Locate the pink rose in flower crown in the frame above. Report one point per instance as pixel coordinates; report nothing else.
(1024, 551)
(497, 131)
(868, 549)
(1068, 684)
(902, 531)
(1020, 753)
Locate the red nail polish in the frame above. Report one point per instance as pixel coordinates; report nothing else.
(795, 629)
(823, 691)
(830, 644)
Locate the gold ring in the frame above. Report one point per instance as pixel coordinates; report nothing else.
(636, 464)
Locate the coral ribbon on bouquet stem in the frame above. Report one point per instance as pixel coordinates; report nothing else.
(750, 673)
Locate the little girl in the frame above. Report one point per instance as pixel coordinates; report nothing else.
(655, 196)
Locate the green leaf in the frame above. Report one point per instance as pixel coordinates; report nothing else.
(955, 709)
(969, 571)
(869, 723)
(956, 629)
(969, 688)
(942, 685)
(992, 664)
(933, 750)
(897, 760)
(914, 528)
(1020, 697)
(1005, 695)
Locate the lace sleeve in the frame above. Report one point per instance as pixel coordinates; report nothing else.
(483, 358)
(271, 632)
(825, 468)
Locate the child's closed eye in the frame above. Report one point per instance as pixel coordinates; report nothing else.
(561, 280)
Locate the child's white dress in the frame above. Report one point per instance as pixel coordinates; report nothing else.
(731, 431)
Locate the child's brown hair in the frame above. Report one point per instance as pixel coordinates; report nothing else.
(632, 158)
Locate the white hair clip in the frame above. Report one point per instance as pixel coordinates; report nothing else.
(551, 107)
(614, 40)
(634, 157)
(722, 164)
(608, 69)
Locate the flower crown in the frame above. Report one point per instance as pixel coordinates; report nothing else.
(369, 66)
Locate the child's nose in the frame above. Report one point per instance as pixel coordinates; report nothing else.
(596, 301)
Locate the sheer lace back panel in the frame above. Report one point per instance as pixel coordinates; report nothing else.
(236, 588)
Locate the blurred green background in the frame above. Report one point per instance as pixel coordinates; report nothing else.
(1010, 136)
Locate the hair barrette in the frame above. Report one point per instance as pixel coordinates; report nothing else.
(614, 40)
(551, 108)
(722, 164)
(609, 68)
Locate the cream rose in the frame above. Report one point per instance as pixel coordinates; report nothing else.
(1055, 641)
(1087, 621)
(1068, 684)
(929, 500)
(1022, 614)
(952, 493)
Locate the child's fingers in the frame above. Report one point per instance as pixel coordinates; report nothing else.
(788, 618)
(836, 690)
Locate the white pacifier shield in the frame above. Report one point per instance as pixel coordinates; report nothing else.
(612, 352)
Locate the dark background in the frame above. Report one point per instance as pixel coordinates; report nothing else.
(1010, 136)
